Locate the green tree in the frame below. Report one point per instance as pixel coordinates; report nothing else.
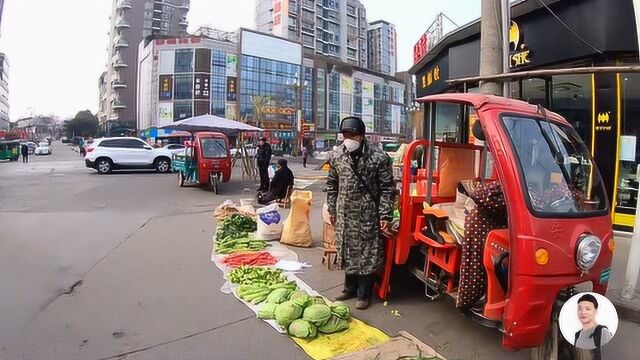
(83, 124)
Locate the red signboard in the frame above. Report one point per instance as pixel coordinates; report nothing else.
(420, 48)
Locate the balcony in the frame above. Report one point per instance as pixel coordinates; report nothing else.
(120, 43)
(118, 84)
(118, 63)
(122, 23)
(118, 104)
(184, 22)
(184, 6)
(124, 4)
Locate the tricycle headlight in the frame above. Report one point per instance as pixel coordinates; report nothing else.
(588, 251)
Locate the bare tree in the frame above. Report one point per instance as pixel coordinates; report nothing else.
(259, 105)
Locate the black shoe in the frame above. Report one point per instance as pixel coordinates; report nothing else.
(346, 296)
(362, 304)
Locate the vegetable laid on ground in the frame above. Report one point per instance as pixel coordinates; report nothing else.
(261, 258)
(286, 313)
(302, 329)
(317, 314)
(240, 242)
(236, 224)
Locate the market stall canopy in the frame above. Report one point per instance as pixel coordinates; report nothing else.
(210, 123)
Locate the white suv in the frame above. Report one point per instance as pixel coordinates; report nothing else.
(107, 154)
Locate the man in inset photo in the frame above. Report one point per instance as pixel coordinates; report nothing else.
(592, 335)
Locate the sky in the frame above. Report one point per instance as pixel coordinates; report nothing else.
(57, 48)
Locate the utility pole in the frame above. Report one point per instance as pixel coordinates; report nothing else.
(490, 46)
(505, 10)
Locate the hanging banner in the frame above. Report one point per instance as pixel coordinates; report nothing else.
(201, 87)
(395, 118)
(165, 114)
(232, 88)
(166, 87)
(367, 105)
(232, 65)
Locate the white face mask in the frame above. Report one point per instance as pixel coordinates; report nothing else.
(351, 145)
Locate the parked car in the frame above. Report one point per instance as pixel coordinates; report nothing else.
(108, 154)
(175, 148)
(43, 148)
(32, 147)
(65, 140)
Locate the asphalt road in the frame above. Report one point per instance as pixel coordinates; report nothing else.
(117, 266)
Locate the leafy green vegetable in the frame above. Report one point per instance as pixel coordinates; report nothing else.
(317, 314)
(333, 325)
(278, 296)
(318, 300)
(255, 275)
(236, 224)
(302, 329)
(286, 312)
(301, 298)
(341, 310)
(267, 311)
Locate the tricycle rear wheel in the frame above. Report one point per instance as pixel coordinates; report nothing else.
(555, 347)
(180, 179)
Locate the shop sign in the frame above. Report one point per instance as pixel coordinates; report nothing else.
(603, 122)
(201, 87)
(166, 87)
(420, 48)
(285, 111)
(519, 54)
(430, 77)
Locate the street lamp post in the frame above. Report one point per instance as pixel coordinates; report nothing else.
(298, 89)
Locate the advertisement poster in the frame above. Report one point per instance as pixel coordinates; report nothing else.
(396, 113)
(165, 114)
(166, 87)
(230, 111)
(201, 87)
(232, 94)
(232, 65)
(367, 105)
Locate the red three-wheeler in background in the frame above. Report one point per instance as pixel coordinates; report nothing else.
(503, 210)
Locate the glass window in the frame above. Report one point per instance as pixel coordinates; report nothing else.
(560, 176)
(133, 144)
(571, 98)
(203, 60)
(534, 91)
(184, 87)
(182, 110)
(184, 61)
(627, 198)
(213, 148)
(448, 123)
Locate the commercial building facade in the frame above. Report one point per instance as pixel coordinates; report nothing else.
(336, 28)
(132, 21)
(382, 48)
(603, 106)
(4, 93)
(266, 81)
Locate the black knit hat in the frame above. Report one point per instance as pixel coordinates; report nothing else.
(590, 298)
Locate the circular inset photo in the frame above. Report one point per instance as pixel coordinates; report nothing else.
(588, 320)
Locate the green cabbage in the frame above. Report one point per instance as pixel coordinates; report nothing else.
(286, 312)
(267, 311)
(317, 314)
(302, 329)
(318, 300)
(340, 310)
(335, 324)
(301, 298)
(278, 296)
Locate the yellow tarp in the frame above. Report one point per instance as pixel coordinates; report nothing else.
(358, 336)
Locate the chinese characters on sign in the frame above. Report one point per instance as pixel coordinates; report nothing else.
(420, 48)
(166, 87)
(201, 87)
(430, 77)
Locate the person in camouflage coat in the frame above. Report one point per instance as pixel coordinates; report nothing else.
(359, 208)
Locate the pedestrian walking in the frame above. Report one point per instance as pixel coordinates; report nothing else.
(81, 148)
(263, 159)
(305, 155)
(360, 196)
(24, 150)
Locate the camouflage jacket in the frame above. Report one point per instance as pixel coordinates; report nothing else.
(358, 215)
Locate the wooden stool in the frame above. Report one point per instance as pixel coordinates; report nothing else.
(330, 252)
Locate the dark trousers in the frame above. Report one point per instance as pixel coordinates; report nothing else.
(362, 285)
(304, 161)
(263, 170)
(25, 158)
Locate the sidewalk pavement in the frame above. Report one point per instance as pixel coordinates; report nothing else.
(627, 309)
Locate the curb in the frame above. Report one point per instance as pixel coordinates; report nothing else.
(628, 310)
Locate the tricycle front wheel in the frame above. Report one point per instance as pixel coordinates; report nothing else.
(213, 183)
(180, 179)
(555, 347)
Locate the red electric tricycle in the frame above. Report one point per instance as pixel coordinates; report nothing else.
(551, 238)
(206, 161)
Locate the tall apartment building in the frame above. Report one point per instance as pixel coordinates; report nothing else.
(1, 10)
(131, 22)
(383, 47)
(4, 92)
(336, 28)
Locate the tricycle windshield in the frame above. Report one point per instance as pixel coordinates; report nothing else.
(213, 148)
(561, 179)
